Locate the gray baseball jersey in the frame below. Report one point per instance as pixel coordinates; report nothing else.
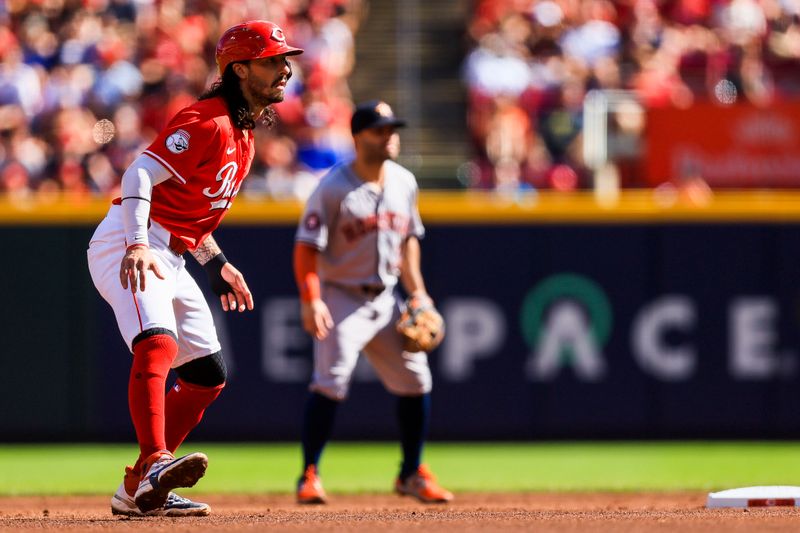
(358, 228)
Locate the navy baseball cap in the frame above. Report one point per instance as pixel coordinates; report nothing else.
(373, 114)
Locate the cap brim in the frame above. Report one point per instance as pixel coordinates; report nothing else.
(286, 51)
(388, 121)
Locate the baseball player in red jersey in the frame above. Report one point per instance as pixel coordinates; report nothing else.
(174, 196)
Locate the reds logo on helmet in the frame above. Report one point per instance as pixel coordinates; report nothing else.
(255, 39)
(277, 35)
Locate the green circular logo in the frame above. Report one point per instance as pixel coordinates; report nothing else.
(574, 287)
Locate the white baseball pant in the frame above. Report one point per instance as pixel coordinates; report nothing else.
(364, 324)
(175, 303)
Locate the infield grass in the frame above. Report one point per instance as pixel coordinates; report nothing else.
(357, 467)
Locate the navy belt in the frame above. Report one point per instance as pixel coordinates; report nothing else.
(372, 290)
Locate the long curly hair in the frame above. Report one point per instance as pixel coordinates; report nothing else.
(229, 88)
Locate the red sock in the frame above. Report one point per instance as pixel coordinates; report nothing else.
(152, 358)
(185, 405)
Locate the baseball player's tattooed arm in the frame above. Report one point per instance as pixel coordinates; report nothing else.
(207, 250)
(226, 280)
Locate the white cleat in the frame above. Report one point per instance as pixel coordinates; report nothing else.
(123, 504)
(165, 474)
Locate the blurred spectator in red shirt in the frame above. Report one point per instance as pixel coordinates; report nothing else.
(543, 56)
(66, 65)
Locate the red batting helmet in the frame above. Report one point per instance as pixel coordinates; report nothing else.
(252, 40)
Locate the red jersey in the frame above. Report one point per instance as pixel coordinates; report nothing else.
(209, 158)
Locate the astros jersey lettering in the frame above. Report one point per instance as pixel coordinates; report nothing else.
(358, 228)
(209, 158)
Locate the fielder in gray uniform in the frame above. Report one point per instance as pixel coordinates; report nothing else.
(359, 235)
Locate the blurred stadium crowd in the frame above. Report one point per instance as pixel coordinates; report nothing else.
(532, 62)
(85, 85)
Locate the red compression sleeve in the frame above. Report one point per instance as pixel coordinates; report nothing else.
(185, 405)
(305, 271)
(152, 358)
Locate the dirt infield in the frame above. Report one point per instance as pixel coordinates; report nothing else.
(470, 513)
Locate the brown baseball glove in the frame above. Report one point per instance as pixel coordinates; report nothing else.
(421, 325)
